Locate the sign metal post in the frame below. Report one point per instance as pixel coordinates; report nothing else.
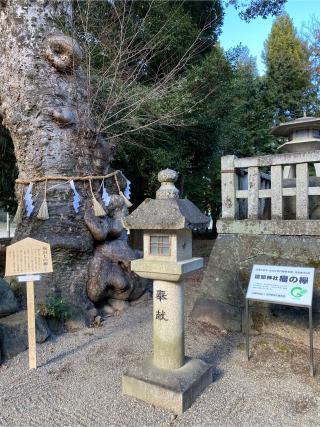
(247, 329)
(281, 285)
(311, 342)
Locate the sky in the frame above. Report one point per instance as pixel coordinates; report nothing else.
(254, 33)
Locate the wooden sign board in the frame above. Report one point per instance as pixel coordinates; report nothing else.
(25, 259)
(28, 256)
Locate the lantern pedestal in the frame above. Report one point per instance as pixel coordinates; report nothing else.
(169, 379)
(174, 389)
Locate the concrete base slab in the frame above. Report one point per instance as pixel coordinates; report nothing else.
(174, 390)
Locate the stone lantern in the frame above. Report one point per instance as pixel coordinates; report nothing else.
(168, 379)
(302, 135)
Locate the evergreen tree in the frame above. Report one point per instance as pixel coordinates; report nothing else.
(250, 9)
(287, 60)
(247, 126)
(312, 35)
(192, 147)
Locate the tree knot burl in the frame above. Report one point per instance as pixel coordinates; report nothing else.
(63, 52)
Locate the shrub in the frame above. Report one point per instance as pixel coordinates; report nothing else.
(55, 307)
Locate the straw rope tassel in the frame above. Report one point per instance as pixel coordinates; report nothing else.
(97, 208)
(126, 201)
(43, 211)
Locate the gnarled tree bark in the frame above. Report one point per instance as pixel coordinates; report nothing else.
(43, 103)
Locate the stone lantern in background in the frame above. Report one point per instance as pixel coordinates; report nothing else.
(168, 379)
(303, 135)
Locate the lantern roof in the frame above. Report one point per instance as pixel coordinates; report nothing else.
(167, 211)
(287, 128)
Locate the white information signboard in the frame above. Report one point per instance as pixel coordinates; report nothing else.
(281, 285)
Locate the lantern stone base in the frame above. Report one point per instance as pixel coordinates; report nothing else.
(174, 390)
(171, 271)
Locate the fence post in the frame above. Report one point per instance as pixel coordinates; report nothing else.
(229, 185)
(276, 192)
(302, 186)
(317, 168)
(253, 192)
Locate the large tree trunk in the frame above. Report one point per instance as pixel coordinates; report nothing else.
(43, 103)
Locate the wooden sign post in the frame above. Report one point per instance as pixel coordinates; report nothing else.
(28, 259)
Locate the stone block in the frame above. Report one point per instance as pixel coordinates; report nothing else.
(218, 314)
(173, 390)
(227, 276)
(14, 333)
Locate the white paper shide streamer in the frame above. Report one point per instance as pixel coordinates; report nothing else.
(76, 197)
(127, 192)
(28, 200)
(105, 196)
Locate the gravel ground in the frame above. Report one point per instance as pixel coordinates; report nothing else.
(78, 382)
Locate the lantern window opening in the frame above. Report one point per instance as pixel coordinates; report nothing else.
(316, 133)
(160, 245)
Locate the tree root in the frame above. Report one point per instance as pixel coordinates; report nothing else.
(110, 275)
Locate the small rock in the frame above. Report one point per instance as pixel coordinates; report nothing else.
(14, 333)
(8, 302)
(118, 305)
(97, 322)
(108, 310)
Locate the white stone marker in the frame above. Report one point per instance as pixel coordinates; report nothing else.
(167, 379)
